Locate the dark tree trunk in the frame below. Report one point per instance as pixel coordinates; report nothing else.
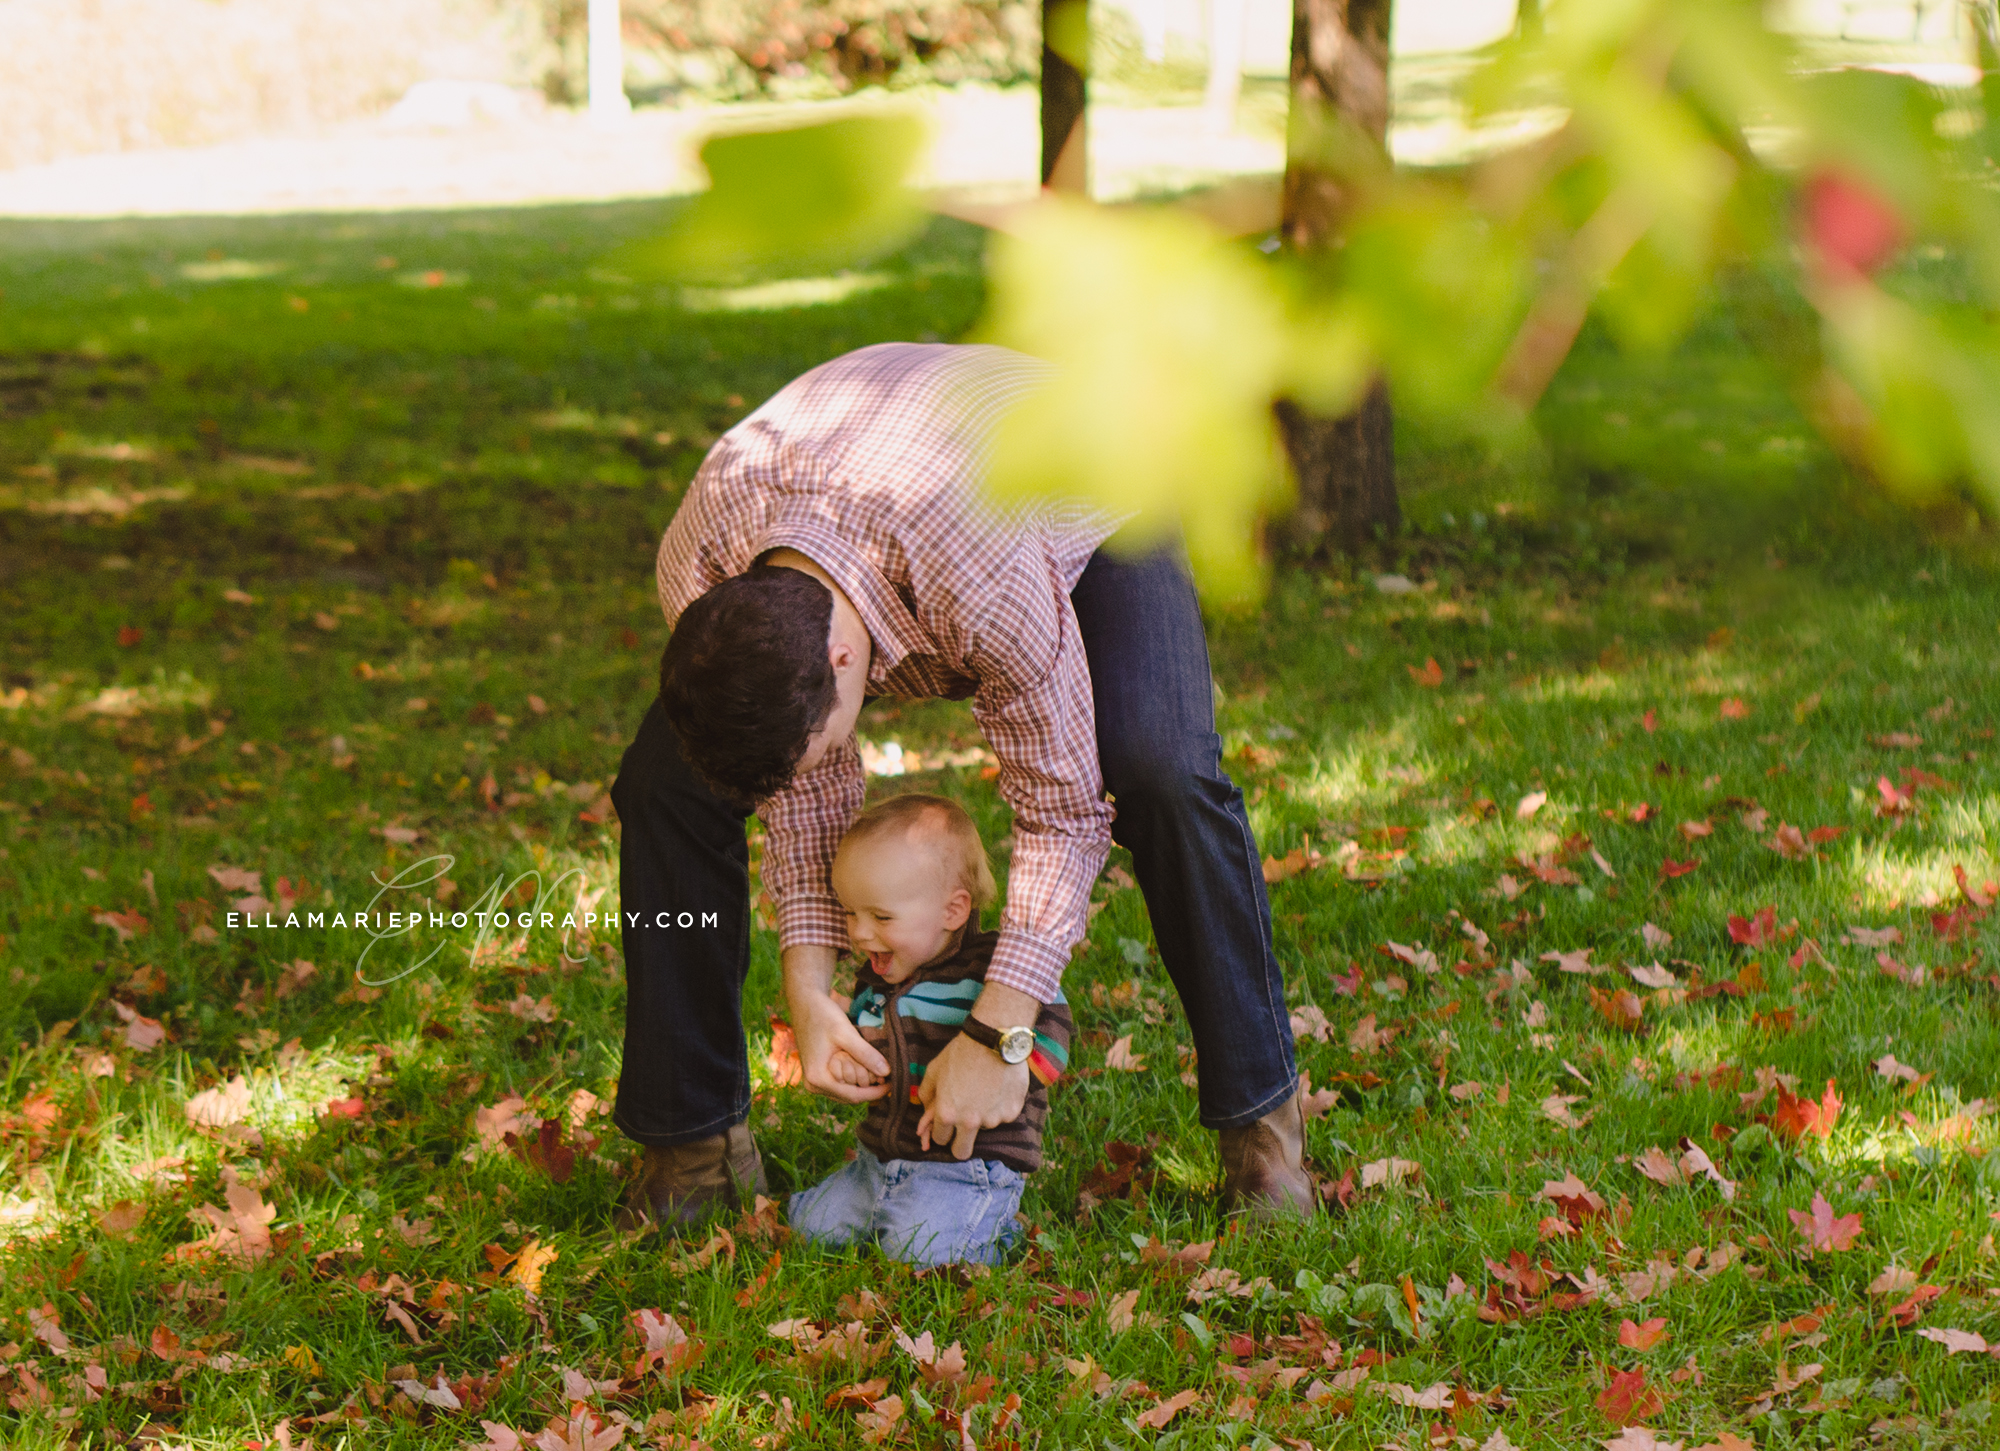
(1345, 467)
(1064, 99)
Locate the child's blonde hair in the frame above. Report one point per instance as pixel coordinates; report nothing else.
(915, 812)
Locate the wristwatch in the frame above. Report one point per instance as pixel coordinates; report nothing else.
(1012, 1044)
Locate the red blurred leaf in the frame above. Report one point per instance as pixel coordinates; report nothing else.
(1670, 868)
(1628, 1398)
(1431, 676)
(1622, 1008)
(786, 1068)
(1796, 1117)
(1822, 1231)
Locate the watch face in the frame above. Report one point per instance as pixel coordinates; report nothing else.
(1016, 1044)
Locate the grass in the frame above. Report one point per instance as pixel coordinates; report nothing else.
(322, 573)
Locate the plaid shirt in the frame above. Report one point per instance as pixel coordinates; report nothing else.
(870, 466)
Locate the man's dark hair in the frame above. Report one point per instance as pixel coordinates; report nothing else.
(745, 679)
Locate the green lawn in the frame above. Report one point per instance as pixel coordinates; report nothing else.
(335, 556)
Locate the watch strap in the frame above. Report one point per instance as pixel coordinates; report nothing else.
(980, 1033)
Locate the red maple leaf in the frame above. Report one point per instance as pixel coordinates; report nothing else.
(1757, 930)
(1821, 1230)
(1671, 868)
(1628, 1398)
(1796, 1117)
(1984, 895)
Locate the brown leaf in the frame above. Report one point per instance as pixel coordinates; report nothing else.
(1528, 805)
(1642, 1336)
(1790, 843)
(46, 1324)
(1622, 1009)
(218, 1107)
(1656, 1165)
(141, 1033)
(495, 1123)
(1956, 1342)
(1389, 1171)
(1157, 1418)
(1120, 1057)
(1431, 676)
(1696, 830)
(1120, 1314)
(121, 1219)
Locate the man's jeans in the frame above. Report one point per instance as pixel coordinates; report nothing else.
(918, 1211)
(686, 1075)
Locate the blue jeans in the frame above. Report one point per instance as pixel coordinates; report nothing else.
(920, 1212)
(686, 1075)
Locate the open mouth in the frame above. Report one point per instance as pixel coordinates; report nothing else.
(881, 962)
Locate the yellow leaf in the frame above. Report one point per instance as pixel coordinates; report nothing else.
(533, 1260)
(301, 1359)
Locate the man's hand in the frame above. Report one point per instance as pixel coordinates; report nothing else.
(838, 1061)
(967, 1088)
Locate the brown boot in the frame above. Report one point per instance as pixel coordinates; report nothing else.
(677, 1187)
(1263, 1165)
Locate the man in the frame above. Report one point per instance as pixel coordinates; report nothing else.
(836, 546)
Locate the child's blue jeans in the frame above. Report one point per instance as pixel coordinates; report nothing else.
(920, 1212)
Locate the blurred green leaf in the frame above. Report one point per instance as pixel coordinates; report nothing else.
(804, 199)
(1169, 345)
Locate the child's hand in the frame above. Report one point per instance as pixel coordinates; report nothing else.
(843, 1069)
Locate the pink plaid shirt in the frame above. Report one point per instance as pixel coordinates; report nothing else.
(870, 466)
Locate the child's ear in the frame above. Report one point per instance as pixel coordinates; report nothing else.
(957, 907)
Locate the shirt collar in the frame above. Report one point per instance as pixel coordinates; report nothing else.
(893, 632)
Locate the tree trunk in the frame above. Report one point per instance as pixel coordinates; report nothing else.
(1340, 78)
(1065, 148)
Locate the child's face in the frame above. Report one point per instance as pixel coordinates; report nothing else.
(902, 906)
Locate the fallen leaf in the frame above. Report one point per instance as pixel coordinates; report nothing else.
(1895, 1280)
(494, 1123)
(1790, 843)
(1955, 1342)
(1120, 1313)
(1528, 805)
(126, 924)
(218, 1107)
(1733, 708)
(120, 1219)
(1796, 1117)
(1875, 936)
(1821, 1230)
(46, 1324)
(531, 1264)
(1628, 1398)
(1309, 1021)
(1367, 1038)
(141, 1033)
(1661, 1168)
(1120, 1057)
(1642, 1336)
(236, 879)
(1888, 1067)
(1556, 1107)
(1573, 962)
(1669, 868)
(1755, 930)
(1431, 676)
(1655, 938)
(1389, 1171)
(1165, 1411)
(1695, 830)
(1652, 975)
(1436, 1397)
(1622, 1009)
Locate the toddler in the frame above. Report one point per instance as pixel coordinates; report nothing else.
(912, 875)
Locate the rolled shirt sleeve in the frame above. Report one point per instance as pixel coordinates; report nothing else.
(803, 825)
(1045, 737)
